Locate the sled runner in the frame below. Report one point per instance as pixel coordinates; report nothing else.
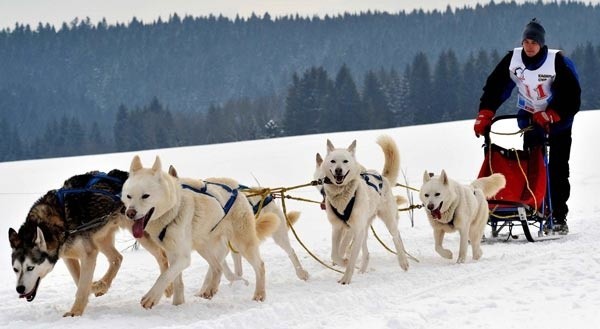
(524, 202)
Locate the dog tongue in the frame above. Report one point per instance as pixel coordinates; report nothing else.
(436, 213)
(138, 228)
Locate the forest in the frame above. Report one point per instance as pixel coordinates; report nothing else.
(83, 89)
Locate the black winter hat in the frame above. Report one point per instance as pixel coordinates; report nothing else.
(534, 31)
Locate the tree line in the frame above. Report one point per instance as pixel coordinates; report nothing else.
(86, 71)
(315, 101)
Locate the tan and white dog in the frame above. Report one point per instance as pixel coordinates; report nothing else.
(198, 215)
(280, 236)
(354, 197)
(452, 207)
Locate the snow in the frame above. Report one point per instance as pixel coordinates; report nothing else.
(551, 284)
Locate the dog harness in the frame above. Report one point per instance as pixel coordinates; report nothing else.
(233, 193)
(345, 216)
(365, 176)
(62, 193)
(256, 207)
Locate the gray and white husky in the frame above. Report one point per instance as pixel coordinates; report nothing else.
(74, 224)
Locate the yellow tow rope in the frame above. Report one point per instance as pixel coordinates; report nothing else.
(281, 193)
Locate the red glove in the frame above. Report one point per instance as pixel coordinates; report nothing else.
(483, 122)
(545, 118)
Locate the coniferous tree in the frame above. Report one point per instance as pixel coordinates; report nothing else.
(293, 115)
(95, 142)
(376, 103)
(470, 88)
(76, 138)
(348, 112)
(309, 99)
(397, 91)
(213, 132)
(446, 79)
(121, 130)
(419, 94)
(588, 67)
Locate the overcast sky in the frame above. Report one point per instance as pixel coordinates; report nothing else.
(57, 11)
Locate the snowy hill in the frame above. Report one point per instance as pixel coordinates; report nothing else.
(553, 284)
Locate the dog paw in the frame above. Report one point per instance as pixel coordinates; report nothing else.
(207, 294)
(99, 288)
(460, 260)
(403, 264)
(72, 313)
(149, 300)
(75, 311)
(345, 279)
(477, 254)
(445, 253)
(169, 290)
(302, 274)
(259, 296)
(178, 300)
(343, 282)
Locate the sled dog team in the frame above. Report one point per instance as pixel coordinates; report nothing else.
(170, 216)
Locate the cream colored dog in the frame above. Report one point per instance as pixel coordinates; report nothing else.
(452, 207)
(354, 197)
(199, 215)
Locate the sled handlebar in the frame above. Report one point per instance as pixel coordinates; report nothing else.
(486, 135)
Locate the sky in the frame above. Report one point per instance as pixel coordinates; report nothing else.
(56, 12)
(545, 285)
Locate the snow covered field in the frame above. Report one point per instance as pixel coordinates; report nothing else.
(553, 284)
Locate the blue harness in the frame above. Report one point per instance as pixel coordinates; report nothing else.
(379, 186)
(204, 190)
(255, 207)
(62, 192)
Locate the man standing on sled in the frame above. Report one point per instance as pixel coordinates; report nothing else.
(548, 97)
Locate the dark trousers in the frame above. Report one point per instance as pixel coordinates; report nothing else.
(559, 142)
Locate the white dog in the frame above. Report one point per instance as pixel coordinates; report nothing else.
(451, 207)
(199, 215)
(280, 236)
(354, 197)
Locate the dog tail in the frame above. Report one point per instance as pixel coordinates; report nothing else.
(400, 200)
(266, 224)
(293, 216)
(490, 185)
(391, 168)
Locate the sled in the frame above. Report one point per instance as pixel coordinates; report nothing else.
(524, 203)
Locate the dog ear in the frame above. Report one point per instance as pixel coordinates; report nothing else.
(319, 160)
(136, 164)
(40, 242)
(157, 166)
(13, 237)
(444, 177)
(330, 146)
(173, 171)
(352, 147)
(426, 177)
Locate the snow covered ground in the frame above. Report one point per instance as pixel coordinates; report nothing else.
(552, 284)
